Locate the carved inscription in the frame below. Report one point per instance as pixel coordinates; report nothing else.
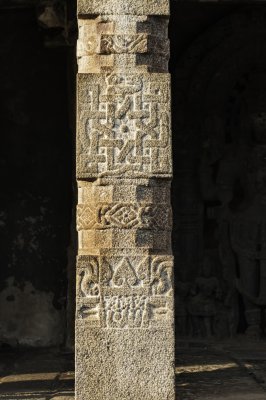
(125, 216)
(128, 292)
(126, 311)
(124, 126)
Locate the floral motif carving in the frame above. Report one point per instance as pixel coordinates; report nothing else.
(125, 275)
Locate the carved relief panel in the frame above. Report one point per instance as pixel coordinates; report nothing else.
(125, 292)
(221, 211)
(124, 125)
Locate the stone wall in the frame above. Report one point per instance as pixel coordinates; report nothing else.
(36, 197)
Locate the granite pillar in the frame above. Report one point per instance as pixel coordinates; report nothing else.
(124, 314)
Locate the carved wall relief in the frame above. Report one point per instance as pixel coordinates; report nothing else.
(224, 182)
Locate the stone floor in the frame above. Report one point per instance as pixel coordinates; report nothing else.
(32, 375)
(228, 371)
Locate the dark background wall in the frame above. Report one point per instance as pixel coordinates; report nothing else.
(36, 183)
(217, 63)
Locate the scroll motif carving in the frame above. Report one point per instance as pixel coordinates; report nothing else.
(89, 279)
(162, 276)
(124, 126)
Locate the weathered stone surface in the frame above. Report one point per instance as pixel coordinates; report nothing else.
(124, 206)
(129, 364)
(124, 364)
(125, 313)
(111, 190)
(138, 43)
(145, 282)
(124, 125)
(128, 7)
(124, 217)
(126, 240)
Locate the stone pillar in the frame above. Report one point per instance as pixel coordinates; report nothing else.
(124, 316)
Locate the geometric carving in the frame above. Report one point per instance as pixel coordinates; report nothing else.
(131, 292)
(124, 126)
(124, 216)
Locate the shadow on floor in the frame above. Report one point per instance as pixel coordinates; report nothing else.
(203, 372)
(41, 374)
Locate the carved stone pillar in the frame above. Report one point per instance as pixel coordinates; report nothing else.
(124, 316)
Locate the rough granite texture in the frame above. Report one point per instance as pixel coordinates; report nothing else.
(124, 307)
(128, 7)
(125, 364)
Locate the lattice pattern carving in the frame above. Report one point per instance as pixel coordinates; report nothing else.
(124, 126)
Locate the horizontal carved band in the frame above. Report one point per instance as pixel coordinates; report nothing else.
(124, 126)
(125, 292)
(123, 215)
(105, 41)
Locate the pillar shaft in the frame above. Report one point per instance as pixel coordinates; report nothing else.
(124, 315)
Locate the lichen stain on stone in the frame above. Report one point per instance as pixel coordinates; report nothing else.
(28, 317)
